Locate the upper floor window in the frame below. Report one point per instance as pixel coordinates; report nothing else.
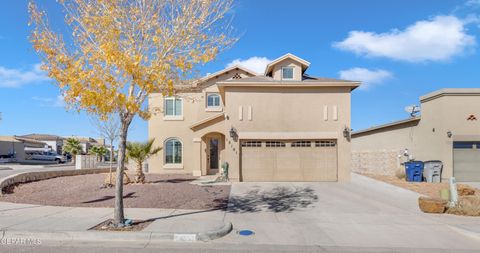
(173, 106)
(287, 73)
(213, 100)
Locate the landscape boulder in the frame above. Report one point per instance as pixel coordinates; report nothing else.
(431, 205)
(465, 190)
(467, 205)
(126, 179)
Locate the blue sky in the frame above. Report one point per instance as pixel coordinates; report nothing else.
(400, 49)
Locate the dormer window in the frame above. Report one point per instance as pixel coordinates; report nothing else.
(287, 73)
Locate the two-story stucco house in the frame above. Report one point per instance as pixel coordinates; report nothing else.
(283, 125)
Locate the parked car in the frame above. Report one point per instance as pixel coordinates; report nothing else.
(46, 156)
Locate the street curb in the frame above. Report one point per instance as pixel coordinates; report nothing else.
(118, 236)
(465, 232)
(216, 233)
(25, 177)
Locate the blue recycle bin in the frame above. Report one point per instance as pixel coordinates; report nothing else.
(414, 171)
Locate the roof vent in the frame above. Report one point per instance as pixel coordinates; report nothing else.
(237, 76)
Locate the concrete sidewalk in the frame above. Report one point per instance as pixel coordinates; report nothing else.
(72, 223)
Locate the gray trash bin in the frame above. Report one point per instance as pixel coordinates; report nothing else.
(432, 171)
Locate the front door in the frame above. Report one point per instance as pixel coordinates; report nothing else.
(213, 155)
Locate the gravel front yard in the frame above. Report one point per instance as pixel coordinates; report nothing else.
(428, 189)
(160, 191)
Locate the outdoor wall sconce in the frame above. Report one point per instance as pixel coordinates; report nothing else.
(449, 134)
(233, 133)
(346, 132)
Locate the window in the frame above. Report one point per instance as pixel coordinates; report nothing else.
(465, 144)
(325, 143)
(297, 144)
(173, 106)
(252, 144)
(287, 73)
(275, 144)
(213, 100)
(173, 151)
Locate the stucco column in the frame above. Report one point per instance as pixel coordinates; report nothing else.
(196, 157)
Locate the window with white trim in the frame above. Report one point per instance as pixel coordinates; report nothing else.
(173, 151)
(213, 100)
(287, 73)
(252, 144)
(297, 144)
(325, 143)
(274, 144)
(173, 106)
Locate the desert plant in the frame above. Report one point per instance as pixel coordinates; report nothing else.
(98, 151)
(73, 147)
(400, 173)
(139, 152)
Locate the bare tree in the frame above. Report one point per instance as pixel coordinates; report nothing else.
(108, 128)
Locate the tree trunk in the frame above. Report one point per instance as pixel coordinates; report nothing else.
(118, 215)
(139, 177)
(111, 164)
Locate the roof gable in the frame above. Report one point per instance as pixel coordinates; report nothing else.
(209, 77)
(305, 64)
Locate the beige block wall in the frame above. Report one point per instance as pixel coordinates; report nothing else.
(378, 162)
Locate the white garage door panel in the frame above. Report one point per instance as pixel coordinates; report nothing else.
(466, 165)
(289, 163)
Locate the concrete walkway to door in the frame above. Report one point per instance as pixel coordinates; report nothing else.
(361, 213)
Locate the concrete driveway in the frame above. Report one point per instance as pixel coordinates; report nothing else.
(361, 213)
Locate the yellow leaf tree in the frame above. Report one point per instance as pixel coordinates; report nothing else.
(117, 52)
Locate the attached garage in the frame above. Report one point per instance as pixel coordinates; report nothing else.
(294, 160)
(466, 161)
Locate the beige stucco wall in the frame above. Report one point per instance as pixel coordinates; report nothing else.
(428, 140)
(297, 111)
(194, 110)
(297, 69)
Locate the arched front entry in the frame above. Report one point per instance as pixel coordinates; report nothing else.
(214, 146)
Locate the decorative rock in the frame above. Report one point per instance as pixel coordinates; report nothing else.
(467, 205)
(429, 205)
(126, 179)
(465, 190)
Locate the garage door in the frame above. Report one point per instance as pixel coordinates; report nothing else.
(466, 161)
(298, 160)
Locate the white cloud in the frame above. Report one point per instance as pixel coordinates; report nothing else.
(437, 39)
(13, 78)
(255, 63)
(50, 102)
(472, 3)
(368, 77)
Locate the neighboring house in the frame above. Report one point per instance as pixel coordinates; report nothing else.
(447, 130)
(283, 125)
(12, 148)
(54, 142)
